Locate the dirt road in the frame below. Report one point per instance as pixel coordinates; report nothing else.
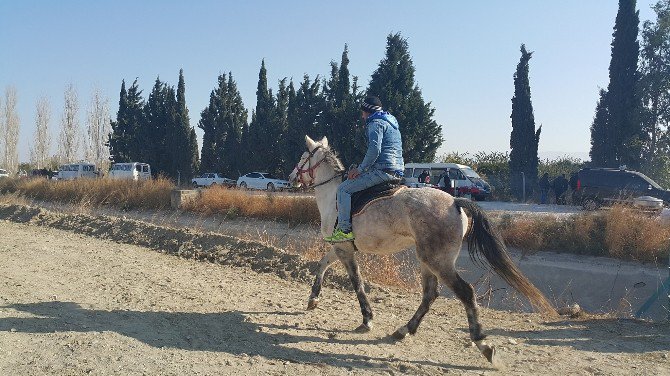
(72, 304)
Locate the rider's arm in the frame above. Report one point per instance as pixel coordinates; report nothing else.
(375, 135)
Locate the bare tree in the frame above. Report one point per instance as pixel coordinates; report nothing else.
(39, 154)
(11, 128)
(68, 145)
(98, 128)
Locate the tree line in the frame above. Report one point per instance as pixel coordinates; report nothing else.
(157, 130)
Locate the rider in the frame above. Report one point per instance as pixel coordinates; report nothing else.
(383, 162)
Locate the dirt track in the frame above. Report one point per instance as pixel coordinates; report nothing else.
(73, 304)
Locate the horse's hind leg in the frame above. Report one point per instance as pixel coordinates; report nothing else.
(346, 255)
(466, 294)
(326, 261)
(429, 283)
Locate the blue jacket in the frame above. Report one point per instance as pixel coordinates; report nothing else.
(384, 144)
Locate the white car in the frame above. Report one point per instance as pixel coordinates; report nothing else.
(211, 178)
(262, 180)
(4, 173)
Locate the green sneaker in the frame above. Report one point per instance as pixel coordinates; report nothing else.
(339, 236)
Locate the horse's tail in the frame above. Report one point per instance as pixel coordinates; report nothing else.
(484, 239)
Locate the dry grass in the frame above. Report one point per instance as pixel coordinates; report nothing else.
(123, 194)
(620, 232)
(233, 203)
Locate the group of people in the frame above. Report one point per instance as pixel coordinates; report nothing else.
(443, 181)
(560, 185)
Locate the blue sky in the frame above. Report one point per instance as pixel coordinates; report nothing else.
(465, 54)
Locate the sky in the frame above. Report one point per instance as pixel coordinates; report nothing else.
(465, 54)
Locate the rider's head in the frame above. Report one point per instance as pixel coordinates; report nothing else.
(369, 106)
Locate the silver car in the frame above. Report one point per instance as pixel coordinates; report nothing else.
(262, 180)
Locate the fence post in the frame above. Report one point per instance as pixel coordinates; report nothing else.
(523, 182)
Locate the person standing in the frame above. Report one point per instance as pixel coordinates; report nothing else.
(544, 188)
(560, 187)
(424, 177)
(444, 183)
(382, 162)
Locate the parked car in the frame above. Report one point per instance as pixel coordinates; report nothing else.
(211, 178)
(262, 180)
(130, 170)
(607, 186)
(4, 173)
(77, 170)
(463, 178)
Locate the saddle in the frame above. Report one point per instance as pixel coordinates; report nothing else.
(360, 200)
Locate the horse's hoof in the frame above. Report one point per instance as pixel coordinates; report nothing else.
(363, 328)
(400, 334)
(313, 302)
(489, 352)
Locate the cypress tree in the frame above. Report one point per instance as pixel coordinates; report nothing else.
(524, 139)
(118, 139)
(599, 135)
(263, 137)
(342, 115)
(160, 120)
(123, 142)
(393, 83)
(179, 139)
(193, 148)
(281, 124)
(234, 116)
(207, 123)
(223, 122)
(293, 143)
(304, 108)
(623, 103)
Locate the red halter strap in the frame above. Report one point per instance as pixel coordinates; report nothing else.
(310, 170)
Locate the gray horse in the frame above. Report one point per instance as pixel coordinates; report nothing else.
(429, 219)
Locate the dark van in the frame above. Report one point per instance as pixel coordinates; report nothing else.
(607, 186)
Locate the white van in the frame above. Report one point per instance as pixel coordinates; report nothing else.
(461, 176)
(130, 170)
(77, 170)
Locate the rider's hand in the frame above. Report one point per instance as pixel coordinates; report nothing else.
(353, 173)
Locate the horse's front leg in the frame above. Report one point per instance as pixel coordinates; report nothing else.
(345, 252)
(326, 261)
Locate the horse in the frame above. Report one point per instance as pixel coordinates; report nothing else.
(432, 221)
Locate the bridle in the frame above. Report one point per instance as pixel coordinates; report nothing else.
(300, 170)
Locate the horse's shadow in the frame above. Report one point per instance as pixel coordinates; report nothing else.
(632, 336)
(231, 332)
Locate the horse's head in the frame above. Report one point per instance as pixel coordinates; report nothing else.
(304, 172)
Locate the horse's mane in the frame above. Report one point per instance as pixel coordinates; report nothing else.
(332, 159)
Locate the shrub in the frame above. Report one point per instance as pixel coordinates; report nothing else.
(124, 194)
(620, 232)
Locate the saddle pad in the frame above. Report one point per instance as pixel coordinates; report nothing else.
(360, 199)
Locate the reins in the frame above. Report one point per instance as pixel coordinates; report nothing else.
(310, 170)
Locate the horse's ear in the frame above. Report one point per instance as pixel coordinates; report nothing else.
(324, 142)
(311, 144)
